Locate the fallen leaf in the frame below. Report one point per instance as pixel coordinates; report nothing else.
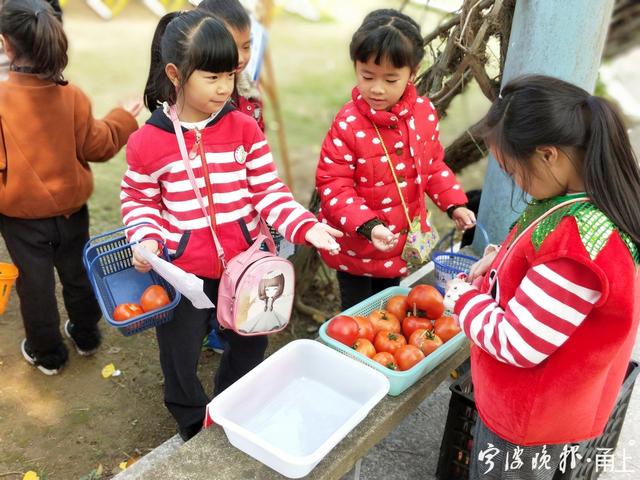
(31, 475)
(108, 370)
(123, 465)
(99, 470)
(113, 350)
(133, 459)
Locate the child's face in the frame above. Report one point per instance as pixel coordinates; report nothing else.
(381, 85)
(243, 42)
(548, 173)
(206, 93)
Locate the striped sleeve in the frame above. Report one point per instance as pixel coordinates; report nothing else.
(140, 199)
(271, 197)
(549, 305)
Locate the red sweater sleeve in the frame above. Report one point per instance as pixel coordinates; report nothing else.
(271, 197)
(549, 305)
(140, 198)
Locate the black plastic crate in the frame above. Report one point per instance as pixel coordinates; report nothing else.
(457, 440)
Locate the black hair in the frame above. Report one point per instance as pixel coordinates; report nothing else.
(535, 110)
(388, 34)
(55, 4)
(231, 12)
(191, 41)
(35, 34)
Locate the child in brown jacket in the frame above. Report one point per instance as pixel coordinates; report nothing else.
(47, 137)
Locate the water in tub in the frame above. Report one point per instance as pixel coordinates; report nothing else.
(302, 416)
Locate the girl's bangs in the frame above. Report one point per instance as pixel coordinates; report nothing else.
(395, 48)
(216, 56)
(386, 43)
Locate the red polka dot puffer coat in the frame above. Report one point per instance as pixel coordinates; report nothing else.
(356, 185)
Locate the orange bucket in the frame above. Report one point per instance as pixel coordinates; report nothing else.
(8, 275)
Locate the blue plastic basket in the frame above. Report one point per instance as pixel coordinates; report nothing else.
(449, 264)
(108, 260)
(399, 381)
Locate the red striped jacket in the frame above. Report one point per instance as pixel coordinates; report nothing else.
(243, 183)
(552, 337)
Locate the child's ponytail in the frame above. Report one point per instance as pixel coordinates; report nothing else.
(36, 37)
(153, 91)
(536, 110)
(611, 172)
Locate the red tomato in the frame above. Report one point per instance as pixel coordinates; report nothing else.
(125, 311)
(410, 324)
(365, 329)
(383, 320)
(407, 356)
(397, 305)
(389, 341)
(365, 347)
(386, 359)
(447, 328)
(427, 299)
(343, 329)
(425, 340)
(153, 298)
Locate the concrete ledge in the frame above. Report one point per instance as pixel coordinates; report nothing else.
(138, 470)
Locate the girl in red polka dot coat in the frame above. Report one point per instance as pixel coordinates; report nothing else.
(357, 189)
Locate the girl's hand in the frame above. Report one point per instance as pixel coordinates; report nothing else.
(463, 218)
(324, 237)
(454, 289)
(383, 238)
(481, 267)
(132, 105)
(140, 263)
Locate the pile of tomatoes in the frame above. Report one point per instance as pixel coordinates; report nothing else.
(407, 330)
(152, 298)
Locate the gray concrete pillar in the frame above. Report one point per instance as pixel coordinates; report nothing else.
(559, 38)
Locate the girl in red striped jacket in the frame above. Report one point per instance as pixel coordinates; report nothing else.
(194, 68)
(555, 315)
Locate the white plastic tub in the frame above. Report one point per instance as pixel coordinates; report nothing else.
(294, 407)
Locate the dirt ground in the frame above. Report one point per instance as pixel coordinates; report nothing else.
(65, 426)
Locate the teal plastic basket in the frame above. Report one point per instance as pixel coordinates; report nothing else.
(399, 381)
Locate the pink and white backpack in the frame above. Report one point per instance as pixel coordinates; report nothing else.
(255, 296)
(256, 290)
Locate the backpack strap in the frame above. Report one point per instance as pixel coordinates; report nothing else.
(264, 229)
(531, 226)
